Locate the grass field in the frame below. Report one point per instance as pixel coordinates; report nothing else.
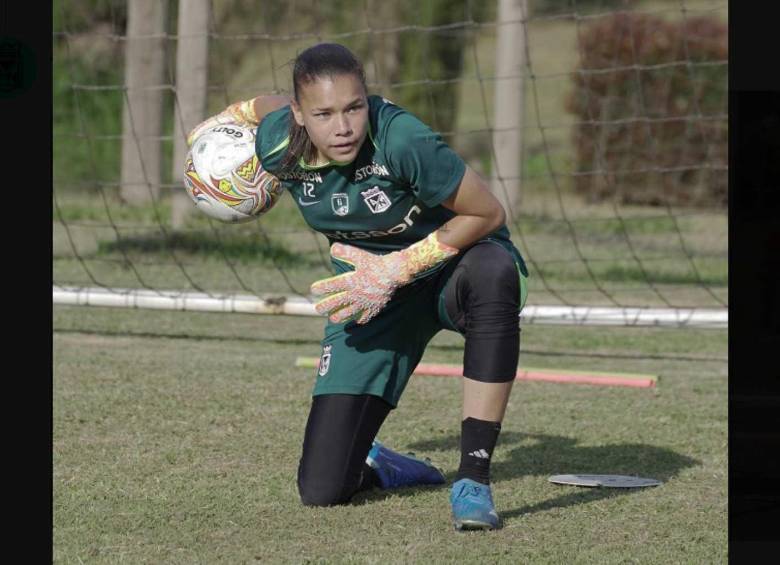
(176, 438)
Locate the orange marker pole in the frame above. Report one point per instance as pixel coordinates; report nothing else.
(550, 376)
(544, 375)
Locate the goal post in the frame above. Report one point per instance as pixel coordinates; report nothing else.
(509, 97)
(142, 110)
(192, 60)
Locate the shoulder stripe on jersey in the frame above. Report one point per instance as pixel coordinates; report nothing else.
(278, 148)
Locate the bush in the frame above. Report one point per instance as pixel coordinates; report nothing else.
(651, 99)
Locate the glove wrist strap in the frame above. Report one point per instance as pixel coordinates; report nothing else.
(244, 112)
(423, 255)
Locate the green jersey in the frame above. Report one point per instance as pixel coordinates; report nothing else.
(389, 197)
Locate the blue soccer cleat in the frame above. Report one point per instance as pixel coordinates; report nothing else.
(472, 506)
(395, 470)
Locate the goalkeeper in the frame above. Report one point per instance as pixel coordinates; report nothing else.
(418, 244)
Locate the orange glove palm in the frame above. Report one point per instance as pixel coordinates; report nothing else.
(364, 292)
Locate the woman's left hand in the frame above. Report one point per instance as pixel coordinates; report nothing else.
(361, 293)
(364, 292)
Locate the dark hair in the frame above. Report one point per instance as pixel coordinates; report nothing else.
(323, 59)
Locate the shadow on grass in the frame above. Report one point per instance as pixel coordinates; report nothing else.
(238, 247)
(545, 455)
(192, 336)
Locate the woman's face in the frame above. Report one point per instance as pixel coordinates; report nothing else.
(334, 111)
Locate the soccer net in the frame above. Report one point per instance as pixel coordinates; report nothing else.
(617, 196)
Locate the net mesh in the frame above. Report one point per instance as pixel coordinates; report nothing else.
(623, 152)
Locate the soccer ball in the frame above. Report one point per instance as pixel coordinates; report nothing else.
(224, 177)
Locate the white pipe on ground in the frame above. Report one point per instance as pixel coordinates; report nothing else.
(715, 318)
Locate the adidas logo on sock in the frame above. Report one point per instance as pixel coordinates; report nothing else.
(481, 454)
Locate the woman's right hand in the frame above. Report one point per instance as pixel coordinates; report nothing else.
(238, 113)
(248, 113)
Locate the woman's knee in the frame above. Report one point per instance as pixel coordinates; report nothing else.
(338, 436)
(321, 496)
(491, 274)
(320, 483)
(322, 492)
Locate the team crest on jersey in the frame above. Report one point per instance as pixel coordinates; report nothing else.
(376, 200)
(340, 203)
(325, 360)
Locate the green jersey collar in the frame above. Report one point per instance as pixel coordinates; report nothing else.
(304, 165)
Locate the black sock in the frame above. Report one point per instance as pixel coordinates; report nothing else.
(477, 441)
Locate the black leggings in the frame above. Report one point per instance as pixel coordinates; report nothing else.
(338, 437)
(482, 300)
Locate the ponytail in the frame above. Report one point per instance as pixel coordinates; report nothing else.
(300, 146)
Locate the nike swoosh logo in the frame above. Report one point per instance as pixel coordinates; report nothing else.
(302, 203)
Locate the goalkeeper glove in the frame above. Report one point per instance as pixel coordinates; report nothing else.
(364, 292)
(239, 113)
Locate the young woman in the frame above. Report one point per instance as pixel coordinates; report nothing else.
(419, 245)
